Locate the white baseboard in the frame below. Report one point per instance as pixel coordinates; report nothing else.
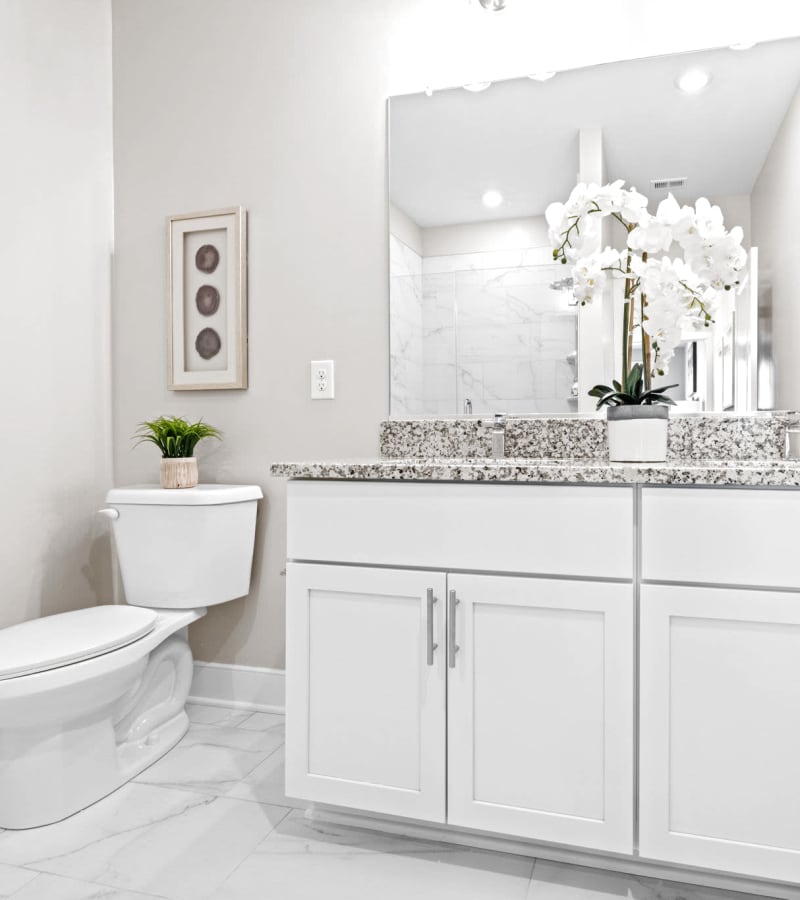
(241, 687)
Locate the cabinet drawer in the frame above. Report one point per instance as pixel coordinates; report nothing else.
(573, 530)
(721, 536)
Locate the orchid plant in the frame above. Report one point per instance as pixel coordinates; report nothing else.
(664, 294)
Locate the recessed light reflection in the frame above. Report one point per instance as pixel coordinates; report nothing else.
(477, 86)
(492, 198)
(693, 81)
(542, 76)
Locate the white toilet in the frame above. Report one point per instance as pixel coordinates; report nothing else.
(88, 699)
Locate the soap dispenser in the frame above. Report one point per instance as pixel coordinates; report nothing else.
(499, 436)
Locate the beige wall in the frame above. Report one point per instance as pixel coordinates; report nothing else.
(275, 107)
(280, 107)
(55, 250)
(776, 232)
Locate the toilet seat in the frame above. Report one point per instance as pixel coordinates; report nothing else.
(60, 640)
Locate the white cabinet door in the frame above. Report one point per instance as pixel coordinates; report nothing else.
(365, 698)
(720, 729)
(540, 717)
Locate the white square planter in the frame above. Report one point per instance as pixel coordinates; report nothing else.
(639, 435)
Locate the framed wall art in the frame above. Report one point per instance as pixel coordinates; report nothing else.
(207, 300)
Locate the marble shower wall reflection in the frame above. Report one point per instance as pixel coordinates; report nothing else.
(406, 328)
(484, 327)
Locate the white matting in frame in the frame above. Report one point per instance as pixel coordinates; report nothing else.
(207, 300)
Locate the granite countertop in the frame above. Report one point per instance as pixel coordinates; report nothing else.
(764, 472)
(701, 449)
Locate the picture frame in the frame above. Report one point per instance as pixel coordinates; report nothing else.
(207, 300)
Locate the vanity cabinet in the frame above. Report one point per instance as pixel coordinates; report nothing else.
(496, 701)
(466, 654)
(719, 782)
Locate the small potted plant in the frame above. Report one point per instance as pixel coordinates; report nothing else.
(679, 268)
(176, 439)
(644, 436)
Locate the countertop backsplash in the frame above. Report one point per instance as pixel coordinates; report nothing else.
(690, 437)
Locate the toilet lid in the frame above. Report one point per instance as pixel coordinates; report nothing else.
(54, 641)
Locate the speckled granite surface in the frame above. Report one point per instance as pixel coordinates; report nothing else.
(689, 437)
(764, 473)
(702, 449)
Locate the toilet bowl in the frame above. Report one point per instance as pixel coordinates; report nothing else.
(90, 698)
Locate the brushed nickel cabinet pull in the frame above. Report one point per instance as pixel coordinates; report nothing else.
(431, 646)
(452, 646)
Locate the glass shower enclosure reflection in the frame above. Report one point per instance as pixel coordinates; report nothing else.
(482, 341)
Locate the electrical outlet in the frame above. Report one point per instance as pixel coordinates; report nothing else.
(322, 379)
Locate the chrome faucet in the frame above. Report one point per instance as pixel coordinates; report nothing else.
(468, 407)
(499, 436)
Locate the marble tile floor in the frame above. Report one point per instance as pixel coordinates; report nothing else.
(211, 820)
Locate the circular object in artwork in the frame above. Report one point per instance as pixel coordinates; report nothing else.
(208, 343)
(207, 258)
(207, 300)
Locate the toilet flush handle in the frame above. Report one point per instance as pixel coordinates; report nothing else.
(109, 512)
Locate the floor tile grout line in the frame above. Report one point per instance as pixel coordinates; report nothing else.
(202, 800)
(232, 713)
(142, 778)
(92, 884)
(237, 728)
(201, 786)
(104, 886)
(254, 850)
(531, 885)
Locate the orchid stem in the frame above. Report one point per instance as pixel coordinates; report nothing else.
(627, 322)
(646, 354)
(625, 360)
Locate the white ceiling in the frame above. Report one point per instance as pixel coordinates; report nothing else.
(520, 137)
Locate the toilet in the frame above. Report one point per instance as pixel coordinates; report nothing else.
(90, 698)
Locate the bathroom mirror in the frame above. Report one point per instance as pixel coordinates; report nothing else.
(481, 320)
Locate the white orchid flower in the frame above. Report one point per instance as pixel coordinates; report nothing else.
(634, 205)
(667, 294)
(590, 279)
(651, 235)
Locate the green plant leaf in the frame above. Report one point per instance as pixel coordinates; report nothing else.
(174, 436)
(661, 389)
(631, 391)
(601, 389)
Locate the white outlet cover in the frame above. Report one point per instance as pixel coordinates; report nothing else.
(322, 379)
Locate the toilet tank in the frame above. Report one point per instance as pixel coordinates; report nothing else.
(185, 548)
